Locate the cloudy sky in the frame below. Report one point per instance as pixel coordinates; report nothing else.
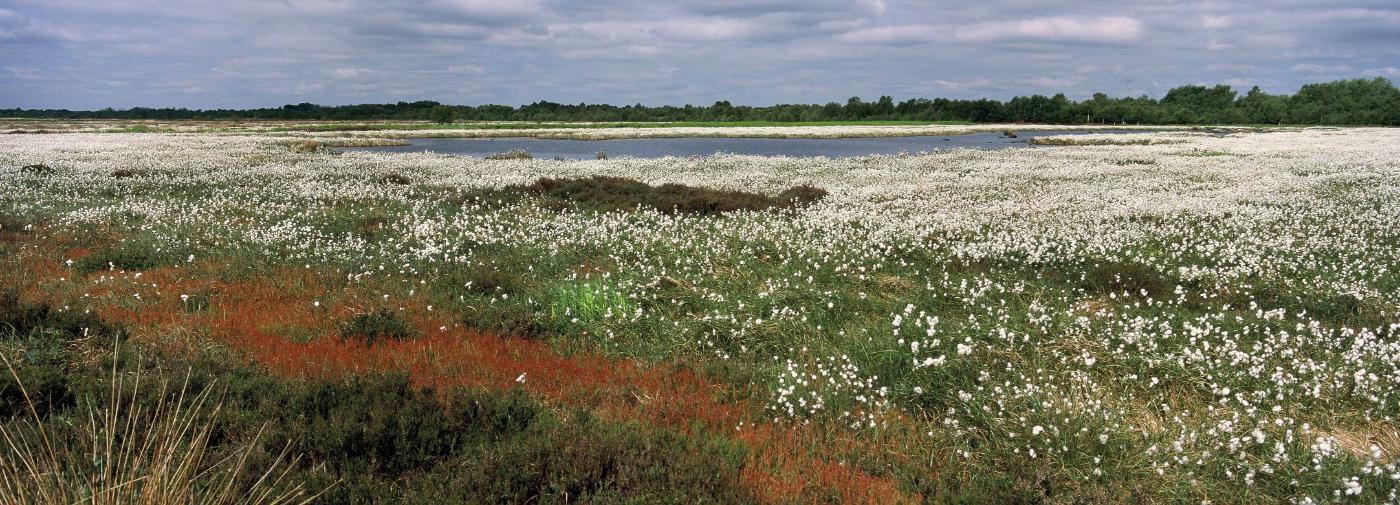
(246, 53)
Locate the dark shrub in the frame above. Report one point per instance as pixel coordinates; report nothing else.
(505, 319)
(36, 169)
(370, 226)
(372, 327)
(606, 194)
(1130, 277)
(45, 368)
(126, 255)
(381, 439)
(802, 195)
(394, 179)
(11, 223)
(514, 154)
(24, 318)
(481, 280)
(123, 173)
(588, 460)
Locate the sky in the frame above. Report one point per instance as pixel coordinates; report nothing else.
(87, 54)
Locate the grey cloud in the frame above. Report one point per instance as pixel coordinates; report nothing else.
(206, 53)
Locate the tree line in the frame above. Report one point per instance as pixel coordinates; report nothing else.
(1345, 102)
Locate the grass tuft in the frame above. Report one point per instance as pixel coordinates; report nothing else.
(132, 451)
(607, 194)
(1131, 278)
(377, 326)
(513, 154)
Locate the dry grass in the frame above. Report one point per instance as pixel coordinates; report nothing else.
(1359, 441)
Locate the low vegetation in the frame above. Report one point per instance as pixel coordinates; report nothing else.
(233, 434)
(1106, 324)
(514, 154)
(1066, 141)
(604, 194)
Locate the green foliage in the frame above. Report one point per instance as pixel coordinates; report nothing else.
(380, 438)
(44, 366)
(1347, 102)
(376, 326)
(588, 302)
(589, 460)
(21, 319)
(442, 114)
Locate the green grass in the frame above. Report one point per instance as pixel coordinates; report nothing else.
(364, 439)
(746, 308)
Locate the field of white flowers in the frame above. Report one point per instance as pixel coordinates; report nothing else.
(1211, 317)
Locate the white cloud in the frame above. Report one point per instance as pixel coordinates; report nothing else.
(350, 73)
(1051, 82)
(1056, 28)
(1108, 29)
(876, 6)
(1315, 69)
(1216, 22)
(893, 35)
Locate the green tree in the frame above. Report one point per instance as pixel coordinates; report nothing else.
(442, 114)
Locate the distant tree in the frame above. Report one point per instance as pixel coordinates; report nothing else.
(442, 114)
(1262, 108)
(1352, 102)
(1199, 104)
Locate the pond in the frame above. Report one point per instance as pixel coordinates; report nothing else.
(701, 146)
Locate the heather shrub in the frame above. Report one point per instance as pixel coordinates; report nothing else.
(376, 326)
(605, 194)
(1132, 278)
(514, 154)
(129, 255)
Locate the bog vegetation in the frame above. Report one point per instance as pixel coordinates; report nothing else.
(1152, 318)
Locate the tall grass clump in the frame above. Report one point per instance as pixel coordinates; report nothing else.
(133, 452)
(585, 302)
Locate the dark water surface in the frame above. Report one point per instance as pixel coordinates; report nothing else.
(701, 146)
